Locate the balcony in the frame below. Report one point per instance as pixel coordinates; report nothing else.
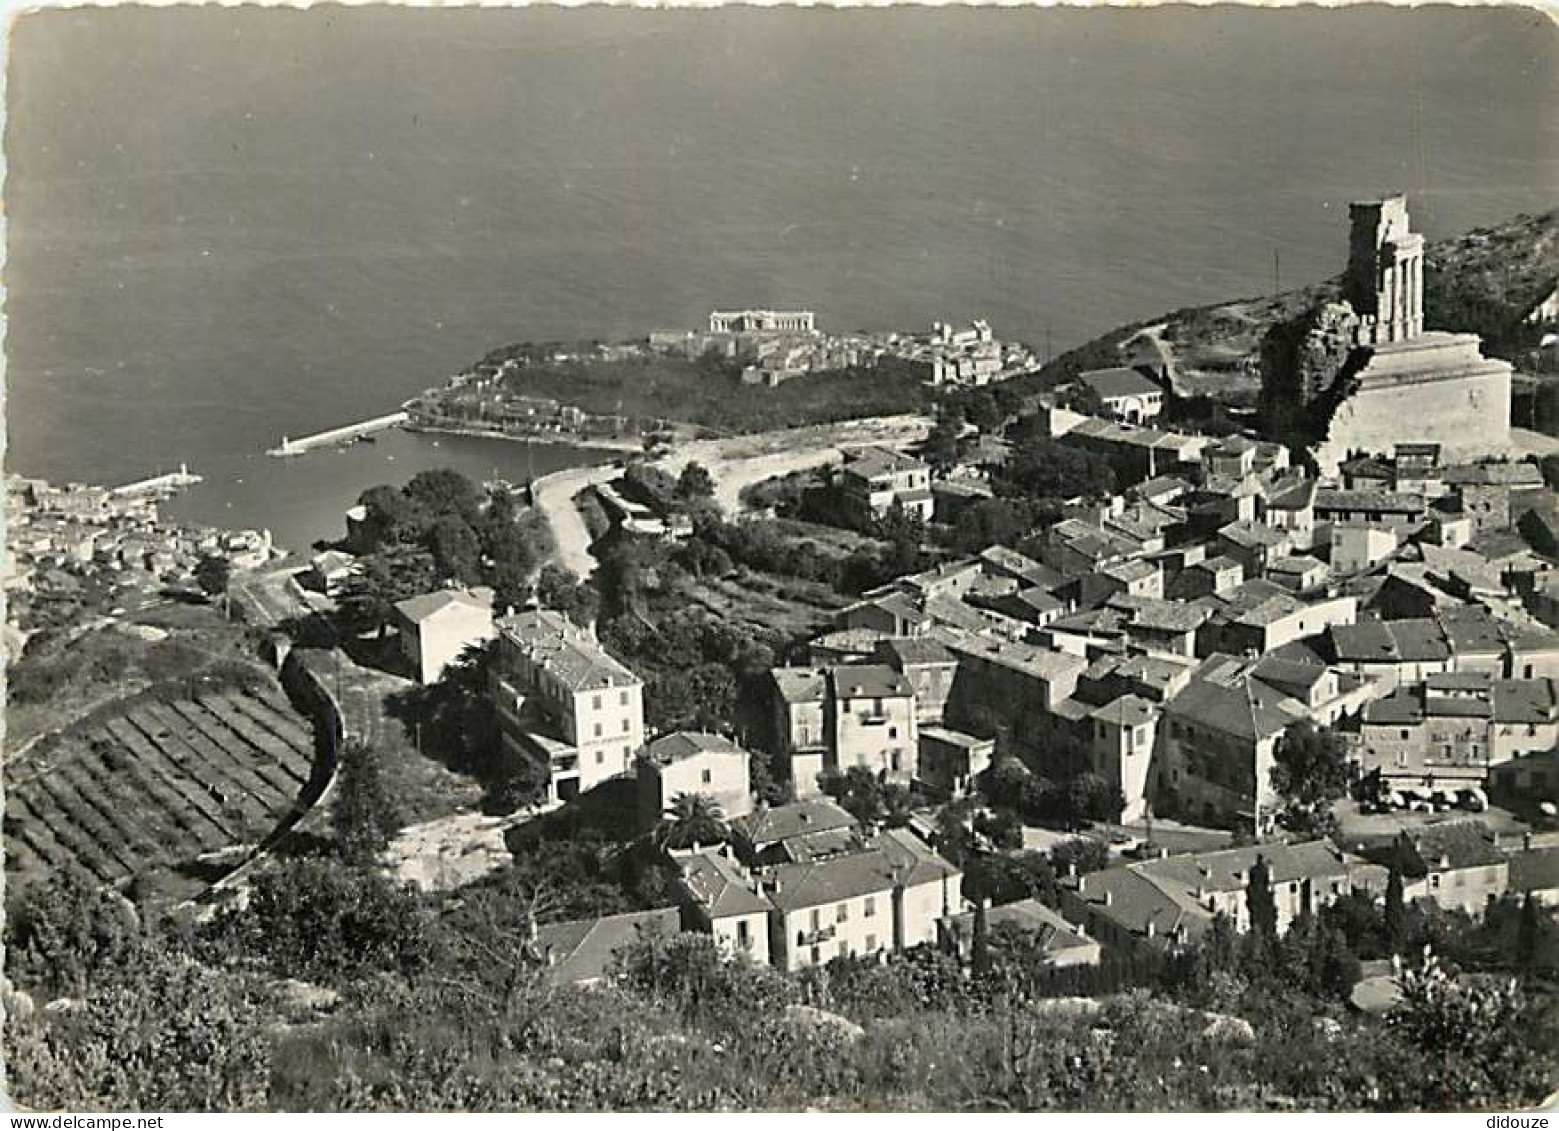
(812, 938)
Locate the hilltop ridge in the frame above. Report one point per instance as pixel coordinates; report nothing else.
(1484, 281)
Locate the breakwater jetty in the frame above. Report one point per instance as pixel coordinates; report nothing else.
(158, 484)
(344, 434)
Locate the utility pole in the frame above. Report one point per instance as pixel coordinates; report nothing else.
(1277, 273)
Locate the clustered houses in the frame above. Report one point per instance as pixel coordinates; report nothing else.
(806, 884)
(60, 539)
(1171, 901)
(1250, 596)
(798, 885)
(1165, 640)
(774, 346)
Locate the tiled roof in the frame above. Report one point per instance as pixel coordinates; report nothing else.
(1160, 486)
(872, 462)
(1229, 869)
(1526, 700)
(1289, 676)
(801, 685)
(1295, 563)
(1134, 902)
(1452, 844)
(1393, 502)
(582, 950)
(1248, 533)
(1222, 696)
(1535, 869)
(894, 858)
(1129, 571)
(1495, 474)
(1417, 640)
(427, 605)
(1156, 614)
(782, 822)
(1293, 498)
(1026, 658)
(1054, 932)
(952, 737)
(872, 681)
(1127, 711)
(904, 651)
(683, 744)
(720, 885)
(1119, 382)
(567, 651)
(1471, 628)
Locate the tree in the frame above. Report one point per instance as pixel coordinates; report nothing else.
(1259, 900)
(1310, 772)
(1527, 932)
(1394, 913)
(63, 932)
(444, 491)
(694, 819)
(1476, 1033)
(165, 1034)
(867, 797)
(456, 550)
(943, 444)
(1047, 469)
(557, 588)
(314, 919)
(695, 484)
(212, 574)
(364, 817)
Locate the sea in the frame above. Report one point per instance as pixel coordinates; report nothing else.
(230, 225)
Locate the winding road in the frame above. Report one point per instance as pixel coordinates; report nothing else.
(733, 463)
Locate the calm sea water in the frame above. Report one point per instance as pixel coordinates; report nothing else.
(226, 225)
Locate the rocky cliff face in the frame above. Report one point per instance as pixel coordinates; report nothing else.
(1305, 363)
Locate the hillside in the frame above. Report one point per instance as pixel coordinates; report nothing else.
(1484, 281)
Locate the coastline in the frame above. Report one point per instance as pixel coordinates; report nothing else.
(595, 444)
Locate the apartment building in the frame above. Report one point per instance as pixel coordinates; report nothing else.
(564, 702)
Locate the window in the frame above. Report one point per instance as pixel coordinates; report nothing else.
(595, 702)
(743, 935)
(876, 706)
(869, 906)
(707, 776)
(842, 913)
(893, 760)
(817, 956)
(893, 732)
(626, 726)
(600, 756)
(871, 942)
(622, 699)
(1434, 881)
(598, 730)
(817, 921)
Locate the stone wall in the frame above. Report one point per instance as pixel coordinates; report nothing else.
(1469, 416)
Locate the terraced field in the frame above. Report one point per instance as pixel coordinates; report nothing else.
(157, 784)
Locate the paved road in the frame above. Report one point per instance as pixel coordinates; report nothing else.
(554, 497)
(734, 463)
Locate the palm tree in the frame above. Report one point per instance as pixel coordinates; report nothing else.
(692, 820)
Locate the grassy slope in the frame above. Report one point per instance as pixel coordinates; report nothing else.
(674, 389)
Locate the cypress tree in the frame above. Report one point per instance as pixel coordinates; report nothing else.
(1526, 932)
(1394, 915)
(1258, 898)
